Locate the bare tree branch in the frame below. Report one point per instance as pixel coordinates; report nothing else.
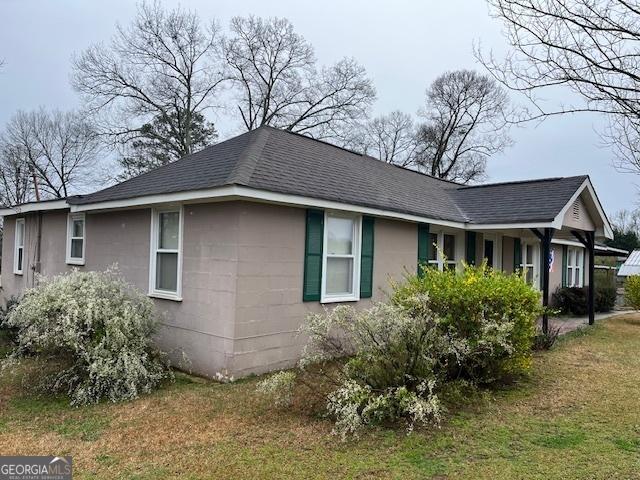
(55, 152)
(274, 73)
(466, 121)
(164, 67)
(589, 46)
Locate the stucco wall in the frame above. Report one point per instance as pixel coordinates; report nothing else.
(269, 308)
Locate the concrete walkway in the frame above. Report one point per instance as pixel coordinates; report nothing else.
(569, 324)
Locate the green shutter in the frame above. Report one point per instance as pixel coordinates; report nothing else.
(423, 246)
(517, 254)
(565, 256)
(471, 248)
(313, 256)
(366, 258)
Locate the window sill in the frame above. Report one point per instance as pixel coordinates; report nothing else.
(71, 261)
(18, 273)
(339, 299)
(166, 296)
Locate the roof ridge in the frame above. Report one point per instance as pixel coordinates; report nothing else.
(515, 182)
(246, 165)
(362, 155)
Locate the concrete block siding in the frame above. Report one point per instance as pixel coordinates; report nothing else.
(243, 267)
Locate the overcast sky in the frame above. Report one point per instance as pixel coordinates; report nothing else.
(403, 45)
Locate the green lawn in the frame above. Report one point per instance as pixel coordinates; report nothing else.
(578, 417)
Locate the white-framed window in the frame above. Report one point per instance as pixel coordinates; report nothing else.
(432, 258)
(442, 243)
(165, 272)
(575, 264)
(75, 238)
(449, 250)
(529, 263)
(18, 252)
(341, 258)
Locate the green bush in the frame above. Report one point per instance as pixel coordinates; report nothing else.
(632, 291)
(570, 300)
(605, 298)
(95, 331)
(9, 334)
(573, 300)
(475, 304)
(395, 359)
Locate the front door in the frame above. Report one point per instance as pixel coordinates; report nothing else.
(488, 252)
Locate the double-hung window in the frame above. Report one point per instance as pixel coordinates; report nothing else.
(75, 238)
(575, 261)
(442, 251)
(449, 249)
(341, 259)
(18, 252)
(166, 254)
(432, 251)
(528, 264)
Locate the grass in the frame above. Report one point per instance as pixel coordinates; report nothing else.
(577, 417)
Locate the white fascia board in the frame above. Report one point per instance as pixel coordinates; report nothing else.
(571, 243)
(34, 207)
(234, 192)
(507, 226)
(607, 230)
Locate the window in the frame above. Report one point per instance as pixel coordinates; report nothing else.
(575, 260)
(75, 239)
(166, 254)
(449, 249)
(439, 244)
(432, 259)
(18, 253)
(528, 264)
(341, 258)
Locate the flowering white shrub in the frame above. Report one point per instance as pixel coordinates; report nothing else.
(98, 329)
(391, 362)
(279, 387)
(390, 368)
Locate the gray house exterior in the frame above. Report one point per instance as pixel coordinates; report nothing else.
(237, 243)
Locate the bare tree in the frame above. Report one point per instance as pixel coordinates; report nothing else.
(588, 46)
(466, 121)
(164, 67)
(390, 138)
(58, 151)
(277, 82)
(15, 177)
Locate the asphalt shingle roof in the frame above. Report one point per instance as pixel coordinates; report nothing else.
(283, 162)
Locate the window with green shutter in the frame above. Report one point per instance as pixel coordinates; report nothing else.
(366, 258)
(423, 246)
(517, 254)
(313, 256)
(471, 248)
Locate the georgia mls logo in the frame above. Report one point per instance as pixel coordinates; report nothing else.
(35, 468)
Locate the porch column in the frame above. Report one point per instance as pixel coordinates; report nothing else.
(589, 241)
(591, 302)
(545, 243)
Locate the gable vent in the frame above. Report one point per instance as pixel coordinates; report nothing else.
(575, 210)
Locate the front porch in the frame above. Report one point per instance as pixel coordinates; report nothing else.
(570, 324)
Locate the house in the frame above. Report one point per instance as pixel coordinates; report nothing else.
(238, 242)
